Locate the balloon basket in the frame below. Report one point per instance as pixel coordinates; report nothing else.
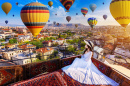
(67, 11)
(35, 38)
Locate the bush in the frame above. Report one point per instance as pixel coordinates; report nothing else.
(2, 40)
(13, 41)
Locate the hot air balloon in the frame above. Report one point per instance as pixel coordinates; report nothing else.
(68, 18)
(54, 22)
(76, 13)
(84, 11)
(76, 25)
(57, 24)
(120, 10)
(6, 7)
(48, 20)
(34, 16)
(13, 15)
(56, 14)
(6, 21)
(105, 17)
(92, 22)
(17, 3)
(50, 3)
(67, 4)
(103, 3)
(93, 7)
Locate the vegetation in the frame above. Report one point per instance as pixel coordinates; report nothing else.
(13, 41)
(2, 40)
(73, 41)
(56, 44)
(90, 34)
(54, 55)
(3, 44)
(71, 48)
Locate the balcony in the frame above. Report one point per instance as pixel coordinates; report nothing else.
(16, 73)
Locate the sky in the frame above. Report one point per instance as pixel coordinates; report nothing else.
(59, 9)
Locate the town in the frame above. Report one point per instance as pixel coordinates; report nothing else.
(18, 44)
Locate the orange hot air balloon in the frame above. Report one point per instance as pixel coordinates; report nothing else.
(35, 16)
(50, 3)
(67, 4)
(6, 7)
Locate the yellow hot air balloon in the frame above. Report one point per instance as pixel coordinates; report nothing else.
(50, 3)
(35, 16)
(6, 7)
(120, 10)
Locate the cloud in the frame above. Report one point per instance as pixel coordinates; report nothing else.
(60, 11)
(20, 5)
(56, 1)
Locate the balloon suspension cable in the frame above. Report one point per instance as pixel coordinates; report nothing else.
(34, 38)
(67, 11)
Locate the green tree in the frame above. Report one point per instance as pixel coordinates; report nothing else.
(39, 56)
(71, 48)
(3, 44)
(13, 41)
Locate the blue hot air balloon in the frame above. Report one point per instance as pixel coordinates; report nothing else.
(93, 7)
(6, 21)
(54, 22)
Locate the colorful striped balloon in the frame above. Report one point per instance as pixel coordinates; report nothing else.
(92, 22)
(84, 11)
(35, 16)
(67, 4)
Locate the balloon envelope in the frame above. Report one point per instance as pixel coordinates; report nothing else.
(54, 22)
(92, 22)
(120, 10)
(84, 11)
(76, 25)
(6, 7)
(93, 7)
(34, 16)
(68, 18)
(50, 3)
(105, 17)
(67, 4)
(6, 21)
(17, 3)
(76, 13)
(57, 24)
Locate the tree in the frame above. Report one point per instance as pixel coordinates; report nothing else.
(39, 56)
(3, 44)
(13, 41)
(71, 48)
(54, 54)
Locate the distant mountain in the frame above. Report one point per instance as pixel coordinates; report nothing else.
(11, 25)
(71, 25)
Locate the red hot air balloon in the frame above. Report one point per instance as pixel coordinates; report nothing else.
(68, 18)
(57, 24)
(67, 4)
(17, 3)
